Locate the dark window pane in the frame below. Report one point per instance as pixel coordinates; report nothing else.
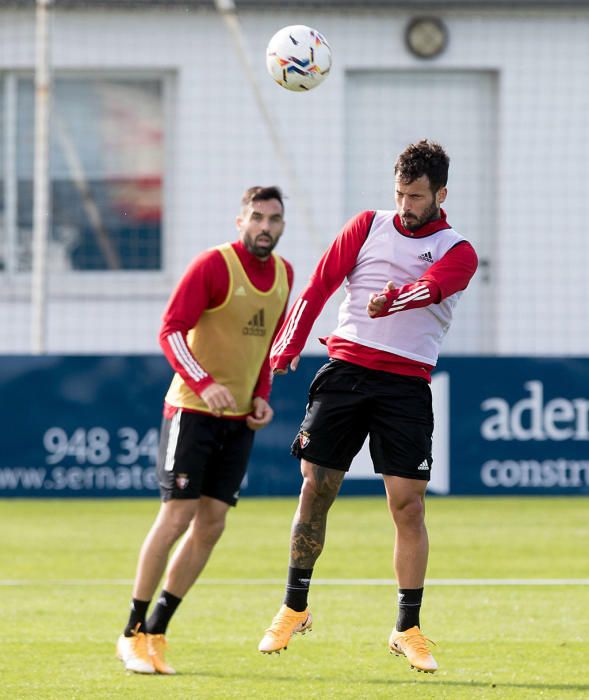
(106, 174)
(3, 241)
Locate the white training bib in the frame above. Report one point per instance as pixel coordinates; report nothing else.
(387, 254)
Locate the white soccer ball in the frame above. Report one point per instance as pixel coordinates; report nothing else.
(298, 57)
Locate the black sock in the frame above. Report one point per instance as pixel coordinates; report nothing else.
(162, 613)
(409, 606)
(297, 588)
(137, 617)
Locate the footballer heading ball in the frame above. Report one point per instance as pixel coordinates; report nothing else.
(298, 58)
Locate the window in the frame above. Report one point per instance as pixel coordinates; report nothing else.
(2, 187)
(106, 173)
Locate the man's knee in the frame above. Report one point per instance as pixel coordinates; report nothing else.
(409, 512)
(208, 529)
(320, 485)
(209, 522)
(175, 517)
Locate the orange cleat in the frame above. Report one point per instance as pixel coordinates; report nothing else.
(156, 649)
(412, 644)
(286, 623)
(132, 651)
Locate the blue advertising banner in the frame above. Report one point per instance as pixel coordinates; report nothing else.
(80, 426)
(517, 425)
(89, 427)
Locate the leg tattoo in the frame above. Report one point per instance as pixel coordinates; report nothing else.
(320, 488)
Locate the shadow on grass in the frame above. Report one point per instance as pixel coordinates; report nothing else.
(417, 677)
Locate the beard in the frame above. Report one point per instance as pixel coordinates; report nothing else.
(261, 245)
(412, 222)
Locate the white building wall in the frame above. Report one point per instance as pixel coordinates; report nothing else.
(217, 144)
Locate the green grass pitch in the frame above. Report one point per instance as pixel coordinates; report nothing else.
(66, 568)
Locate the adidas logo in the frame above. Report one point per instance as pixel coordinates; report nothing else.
(424, 465)
(239, 292)
(255, 326)
(427, 257)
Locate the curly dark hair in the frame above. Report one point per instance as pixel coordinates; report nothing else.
(257, 193)
(424, 158)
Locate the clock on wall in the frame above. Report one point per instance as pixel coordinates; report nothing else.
(426, 37)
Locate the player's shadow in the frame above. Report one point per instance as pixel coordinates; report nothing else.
(388, 681)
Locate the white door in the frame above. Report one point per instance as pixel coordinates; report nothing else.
(388, 109)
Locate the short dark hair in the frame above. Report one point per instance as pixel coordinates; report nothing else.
(424, 158)
(257, 193)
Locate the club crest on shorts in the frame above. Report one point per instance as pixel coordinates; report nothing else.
(304, 438)
(182, 481)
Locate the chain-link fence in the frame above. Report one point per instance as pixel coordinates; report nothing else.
(162, 113)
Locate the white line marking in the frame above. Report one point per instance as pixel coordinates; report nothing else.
(173, 436)
(185, 356)
(413, 291)
(284, 339)
(315, 582)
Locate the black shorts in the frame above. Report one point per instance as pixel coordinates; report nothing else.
(202, 455)
(348, 402)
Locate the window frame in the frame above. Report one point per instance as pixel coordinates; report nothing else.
(85, 284)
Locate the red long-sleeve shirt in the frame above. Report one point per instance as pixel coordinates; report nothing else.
(445, 277)
(204, 285)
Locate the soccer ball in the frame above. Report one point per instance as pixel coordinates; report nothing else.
(298, 57)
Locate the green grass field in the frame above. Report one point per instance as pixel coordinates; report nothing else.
(66, 568)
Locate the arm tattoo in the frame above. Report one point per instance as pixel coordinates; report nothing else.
(308, 528)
